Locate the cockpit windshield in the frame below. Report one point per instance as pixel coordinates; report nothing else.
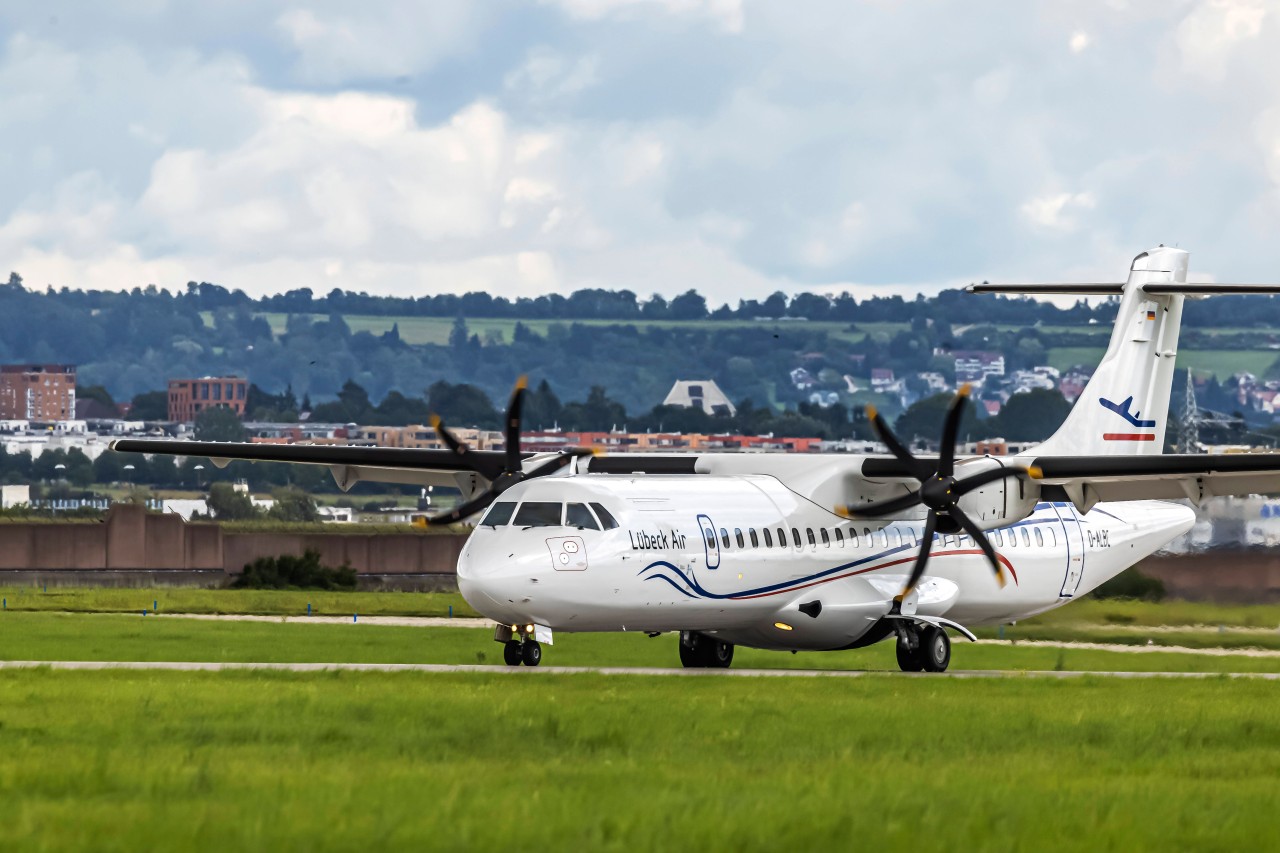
(498, 514)
(538, 514)
(577, 515)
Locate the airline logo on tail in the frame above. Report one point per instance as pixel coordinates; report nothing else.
(1122, 409)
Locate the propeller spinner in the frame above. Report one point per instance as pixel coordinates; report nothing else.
(940, 490)
(503, 475)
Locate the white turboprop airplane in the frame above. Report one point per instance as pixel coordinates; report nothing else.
(824, 551)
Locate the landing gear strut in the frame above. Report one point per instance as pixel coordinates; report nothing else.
(699, 651)
(924, 648)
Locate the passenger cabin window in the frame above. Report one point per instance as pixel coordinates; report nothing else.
(795, 536)
(755, 540)
(538, 514)
(607, 521)
(1026, 539)
(826, 540)
(724, 537)
(997, 538)
(1039, 538)
(711, 539)
(498, 514)
(782, 538)
(577, 515)
(839, 537)
(737, 534)
(812, 542)
(853, 537)
(1053, 538)
(768, 538)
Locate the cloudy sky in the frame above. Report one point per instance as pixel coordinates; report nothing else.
(734, 146)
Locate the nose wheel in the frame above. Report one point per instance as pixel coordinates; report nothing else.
(528, 653)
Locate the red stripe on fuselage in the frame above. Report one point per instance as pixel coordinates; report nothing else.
(1128, 436)
(912, 559)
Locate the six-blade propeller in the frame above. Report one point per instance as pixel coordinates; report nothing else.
(501, 475)
(940, 490)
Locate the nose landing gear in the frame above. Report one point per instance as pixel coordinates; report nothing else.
(518, 648)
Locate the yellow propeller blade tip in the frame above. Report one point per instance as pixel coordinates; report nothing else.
(843, 512)
(597, 451)
(871, 411)
(435, 421)
(1035, 472)
(1001, 579)
(522, 382)
(965, 390)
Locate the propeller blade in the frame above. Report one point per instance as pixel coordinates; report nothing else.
(950, 429)
(981, 538)
(977, 481)
(881, 426)
(450, 440)
(464, 510)
(882, 508)
(926, 545)
(512, 436)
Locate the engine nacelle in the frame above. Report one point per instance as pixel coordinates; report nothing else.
(1002, 502)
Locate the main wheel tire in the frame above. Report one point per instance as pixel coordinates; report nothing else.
(531, 652)
(511, 653)
(718, 654)
(935, 649)
(690, 653)
(909, 659)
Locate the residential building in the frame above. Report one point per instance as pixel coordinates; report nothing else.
(977, 365)
(37, 392)
(882, 380)
(189, 397)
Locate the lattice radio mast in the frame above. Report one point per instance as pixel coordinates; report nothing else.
(1189, 428)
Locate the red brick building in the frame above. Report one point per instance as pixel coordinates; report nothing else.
(37, 392)
(190, 397)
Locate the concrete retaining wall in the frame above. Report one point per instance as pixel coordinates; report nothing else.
(131, 545)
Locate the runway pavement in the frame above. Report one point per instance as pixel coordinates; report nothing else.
(198, 666)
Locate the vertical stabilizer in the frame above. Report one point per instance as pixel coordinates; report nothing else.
(1124, 408)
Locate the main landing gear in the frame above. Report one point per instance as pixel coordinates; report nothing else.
(699, 651)
(923, 648)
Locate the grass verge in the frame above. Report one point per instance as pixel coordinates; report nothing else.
(61, 636)
(262, 602)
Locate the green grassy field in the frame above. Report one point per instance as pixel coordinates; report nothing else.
(253, 760)
(1220, 362)
(98, 637)
(266, 602)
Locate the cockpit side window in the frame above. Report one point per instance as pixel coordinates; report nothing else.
(577, 515)
(499, 514)
(538, 514)
(607, 521)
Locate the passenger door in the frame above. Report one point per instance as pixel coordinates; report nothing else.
(709, 541)
(1075, 549)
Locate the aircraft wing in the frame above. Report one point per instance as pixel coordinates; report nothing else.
(349, 465)
(1086, 480)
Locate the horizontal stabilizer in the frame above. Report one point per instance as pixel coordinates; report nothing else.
(1096, 289)
(1187, 288)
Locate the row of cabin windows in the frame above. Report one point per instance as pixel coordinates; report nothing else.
(881, 538)
(591, 516)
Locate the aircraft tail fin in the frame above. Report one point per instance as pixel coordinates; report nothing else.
(1124, 408)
